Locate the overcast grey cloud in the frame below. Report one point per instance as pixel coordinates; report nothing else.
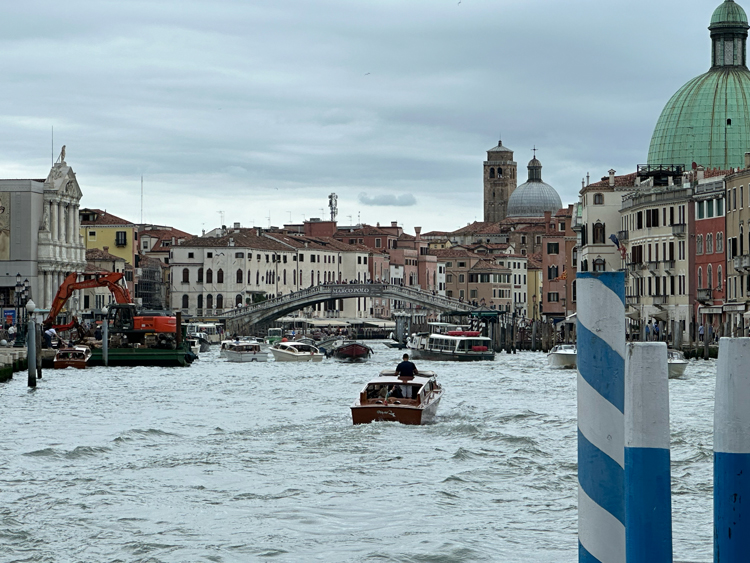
(261, 108)
(403, 200)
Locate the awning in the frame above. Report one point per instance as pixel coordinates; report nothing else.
(381, 324)
(710, 310)
(635, 315)
(326, 322)
(661, 315)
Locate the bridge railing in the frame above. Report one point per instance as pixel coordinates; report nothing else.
(338, 291)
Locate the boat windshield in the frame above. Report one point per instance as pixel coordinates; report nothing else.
(396, 391)
(474, 344)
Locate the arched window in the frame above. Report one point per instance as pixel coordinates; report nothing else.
(499, 172)
(312, 278)
(219, 278)
(238, 300)
(249, 278)
(584, 265)
(742, 241)
(294, 277)
(220, 300)
(200, 275)
(284, 276)
(209, 300)
(599, 234)
(719, 242)
(575, 257)
(200, 302)
(700, 278)
(598, 199)
(699, 244)
(709, 276)
(257, 277)
(209, 278)
(599, 265)
(492, 172)
(185, 301)
(719, 280)
(185, 275)
(239, 277)
(574, 296)
(709, 243)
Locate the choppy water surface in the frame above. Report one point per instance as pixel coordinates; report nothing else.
(253, 462)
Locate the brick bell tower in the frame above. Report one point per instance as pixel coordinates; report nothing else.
(499, 182)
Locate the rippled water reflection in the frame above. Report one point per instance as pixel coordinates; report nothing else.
(243, 462)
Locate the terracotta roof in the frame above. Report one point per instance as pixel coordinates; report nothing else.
(479, 227)
(99, 254)
(626, 180)
(94, 269)
(164, 238)
(241, 240)
(488, 265)
(105, 218)
(364, 230)
(436, 234)
(454, 252)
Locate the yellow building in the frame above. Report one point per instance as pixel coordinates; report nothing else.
(116, 236)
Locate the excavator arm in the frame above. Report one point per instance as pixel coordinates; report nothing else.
(71, 283)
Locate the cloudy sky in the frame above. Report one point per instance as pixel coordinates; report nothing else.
(257, 110)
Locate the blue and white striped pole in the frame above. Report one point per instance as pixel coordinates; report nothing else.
(648, 495)
(732, 452)
(601, 404)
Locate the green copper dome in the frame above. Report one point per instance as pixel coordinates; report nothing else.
(708, 120)
(729, 12)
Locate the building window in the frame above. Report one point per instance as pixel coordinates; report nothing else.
(599, 265)
(219, 279)
(553, 248)
(719, 280)
(185, 275)
(200, 275)
(209, 278)
(185, 301)
(553, 297)
(709, 276)
(561, 226)
(200, 302)
(238, 300)
(239, 254)
(239, 276)
(699, 244)
(719, 242)
(219, 300)
(209, 254)
(209, 301)
(92, 235)
(575, 257)
(709, 243)
(598, 199)
(599, 233)
(190, 254)
(473, 294)
(461, 278)
(700, 278)
(121, 238)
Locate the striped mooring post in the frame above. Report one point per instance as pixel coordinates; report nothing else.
(601, 407)
(732, 452)
(648, 494)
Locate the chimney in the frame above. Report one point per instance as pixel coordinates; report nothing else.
(747, 160)
(105, 248)
(394, 223)
(612, 178)
(418, 230)
(701, 172)
(547, 220)
(237, 225)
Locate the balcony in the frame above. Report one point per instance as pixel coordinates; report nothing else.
(660, 299)
(633, 299)
(679, 229)
(669, 265)
(742, 263)
(653, 266)
(622, 235)
(705, 295)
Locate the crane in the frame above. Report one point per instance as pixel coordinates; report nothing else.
(71, 283)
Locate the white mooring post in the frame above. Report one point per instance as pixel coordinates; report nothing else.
(105, 336)
(31, 344)
(648, 498)
(601, 404)
(732, 452)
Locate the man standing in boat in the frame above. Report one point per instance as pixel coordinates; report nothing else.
(406, 369)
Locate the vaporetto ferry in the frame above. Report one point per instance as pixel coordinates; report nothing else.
(453, 345)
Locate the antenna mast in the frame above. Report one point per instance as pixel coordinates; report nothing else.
(333, 200)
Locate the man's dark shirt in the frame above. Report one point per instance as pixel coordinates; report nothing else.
(406, 369)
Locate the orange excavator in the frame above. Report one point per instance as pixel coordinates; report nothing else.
(123, 314)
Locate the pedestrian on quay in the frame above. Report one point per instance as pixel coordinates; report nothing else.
(700, 332)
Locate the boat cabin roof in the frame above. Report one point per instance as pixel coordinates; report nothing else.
(389, 376)
(462, 337)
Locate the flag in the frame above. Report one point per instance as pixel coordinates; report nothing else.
(615, 240)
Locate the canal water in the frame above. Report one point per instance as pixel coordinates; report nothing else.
(260, 462)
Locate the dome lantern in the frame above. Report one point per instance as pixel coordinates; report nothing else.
(729, 35)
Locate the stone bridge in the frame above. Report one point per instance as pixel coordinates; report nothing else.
(240, 320)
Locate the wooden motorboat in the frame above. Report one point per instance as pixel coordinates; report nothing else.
(458, 345)
(72, 357)
(245, 351)
(193, 344)
(563, 356)
(676, 363)
(412, 400)
(296, 352)
(350, 350)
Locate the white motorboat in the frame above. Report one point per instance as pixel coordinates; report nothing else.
(676, 363)
(563, 356)
(193, 344)
(245, 351)
(459, 345)
(296, 352)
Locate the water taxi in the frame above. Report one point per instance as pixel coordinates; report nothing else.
(72, 357)
(676, 363)
(563, 356)
(458, 345)
(411, 400)
(273, 336)
(296, 352)
(245, 351)
(350, 350)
